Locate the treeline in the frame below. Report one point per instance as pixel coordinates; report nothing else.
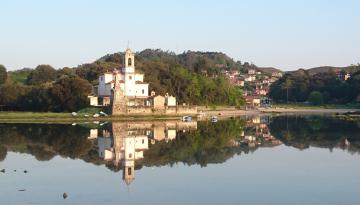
(321, 88)
(199, 62)
(47, 89)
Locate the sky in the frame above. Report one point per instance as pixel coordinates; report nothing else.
(287, 34)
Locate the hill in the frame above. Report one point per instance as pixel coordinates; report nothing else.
(269, 70)
(325, 69)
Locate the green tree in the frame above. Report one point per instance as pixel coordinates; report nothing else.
(42, 74)
(286, 86)
(316, 98)
(3, 74)
(70, 93)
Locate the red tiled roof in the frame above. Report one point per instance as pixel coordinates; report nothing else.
(139, 82)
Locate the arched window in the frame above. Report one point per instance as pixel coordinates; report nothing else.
(129, 61)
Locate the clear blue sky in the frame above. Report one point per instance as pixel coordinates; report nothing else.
(287, 34)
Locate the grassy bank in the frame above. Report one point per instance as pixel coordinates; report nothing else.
(67, 117)
(325, 106)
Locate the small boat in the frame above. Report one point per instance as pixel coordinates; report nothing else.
(214, 119)
(186, 118)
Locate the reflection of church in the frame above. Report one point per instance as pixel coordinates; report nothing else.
(126, 142)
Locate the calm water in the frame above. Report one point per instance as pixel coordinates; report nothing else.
(252, 160)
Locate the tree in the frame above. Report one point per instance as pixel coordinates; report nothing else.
(70, 93)
(3, 74)
(316, 98)
(287, 85)
(42, 74)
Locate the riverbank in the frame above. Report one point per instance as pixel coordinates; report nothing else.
(50, 117)
(223, 112)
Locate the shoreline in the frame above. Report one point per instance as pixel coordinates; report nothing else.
(38, 117)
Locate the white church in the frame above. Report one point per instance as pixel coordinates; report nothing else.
(131, 83)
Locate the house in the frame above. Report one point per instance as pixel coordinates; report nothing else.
(276, 74)
(262, 91)
(170, 100)
(253, 101)
(158, 102)
(251, 71)
(249, 78)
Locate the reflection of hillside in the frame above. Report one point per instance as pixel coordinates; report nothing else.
(257, 133)
(131, 145)
(325, 132)
(212, 143)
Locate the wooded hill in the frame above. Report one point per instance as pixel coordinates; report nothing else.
(47, 89)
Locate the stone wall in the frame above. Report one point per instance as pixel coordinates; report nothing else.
(135, 110)
(190, 110)
(148, 110)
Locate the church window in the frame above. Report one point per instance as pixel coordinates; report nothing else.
(130, 77)
(129, 170)
(142, 91)
(143, 141)
(129, 61)
(130, 155)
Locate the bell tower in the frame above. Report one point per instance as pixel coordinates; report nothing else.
(129, 73)
(129, 59)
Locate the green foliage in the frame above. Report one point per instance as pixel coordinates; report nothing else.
(3, 74)
(303, 132)
(208, 144)
(316, 98)
(70, 93)
(298, 85)
(44, 141)
(19, 76)
(41, 74)
(66, 94)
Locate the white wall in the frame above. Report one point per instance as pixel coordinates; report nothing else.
(139, 77)
(139, 88)
(103, 80)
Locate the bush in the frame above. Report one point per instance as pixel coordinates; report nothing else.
(316, 98)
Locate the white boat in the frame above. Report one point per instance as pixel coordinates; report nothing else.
(214, 118)
(186, 118)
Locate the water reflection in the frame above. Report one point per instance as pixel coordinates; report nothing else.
(129, 146)
(257, 132)
(125, 143)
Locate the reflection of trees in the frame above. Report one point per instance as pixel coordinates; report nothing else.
(325, 132)
(44, 141)
(210, 143)
(3, 152)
